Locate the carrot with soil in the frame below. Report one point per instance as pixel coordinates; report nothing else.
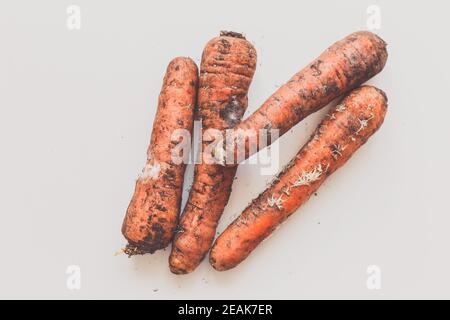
(343, 66)
(346, 128)
(152, 215)
(226, 71)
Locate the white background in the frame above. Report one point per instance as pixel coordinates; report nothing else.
(76, 114)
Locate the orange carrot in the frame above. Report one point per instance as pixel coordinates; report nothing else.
(152, 215)
(226, 71)
(346, 128)
(345, 65)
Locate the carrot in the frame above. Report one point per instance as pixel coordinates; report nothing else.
(152, 215)
(226, 71)
(345, 65)
(339, 135)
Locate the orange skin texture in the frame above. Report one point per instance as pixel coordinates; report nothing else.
(343, 66)
(226, 71)
(152, 215)
(339, 135)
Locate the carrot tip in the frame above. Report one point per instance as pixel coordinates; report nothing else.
(175, 270)
(119, 252)
(382, 93)
(133, 250)
(231, 34)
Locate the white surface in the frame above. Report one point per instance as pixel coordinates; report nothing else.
(76, 115)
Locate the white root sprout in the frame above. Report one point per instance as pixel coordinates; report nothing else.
(341, 108)
(286, 191)
(277, 202)
(309, 176)
(364, 122)
(151, 171)
(336, 150)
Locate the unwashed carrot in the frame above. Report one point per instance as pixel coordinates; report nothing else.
(226, 71)
(345, 129)
(152, 215)
(345, 65)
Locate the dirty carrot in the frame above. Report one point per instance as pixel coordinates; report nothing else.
(226, 71)
(347, 127)
(343, 66)
(152, 215)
